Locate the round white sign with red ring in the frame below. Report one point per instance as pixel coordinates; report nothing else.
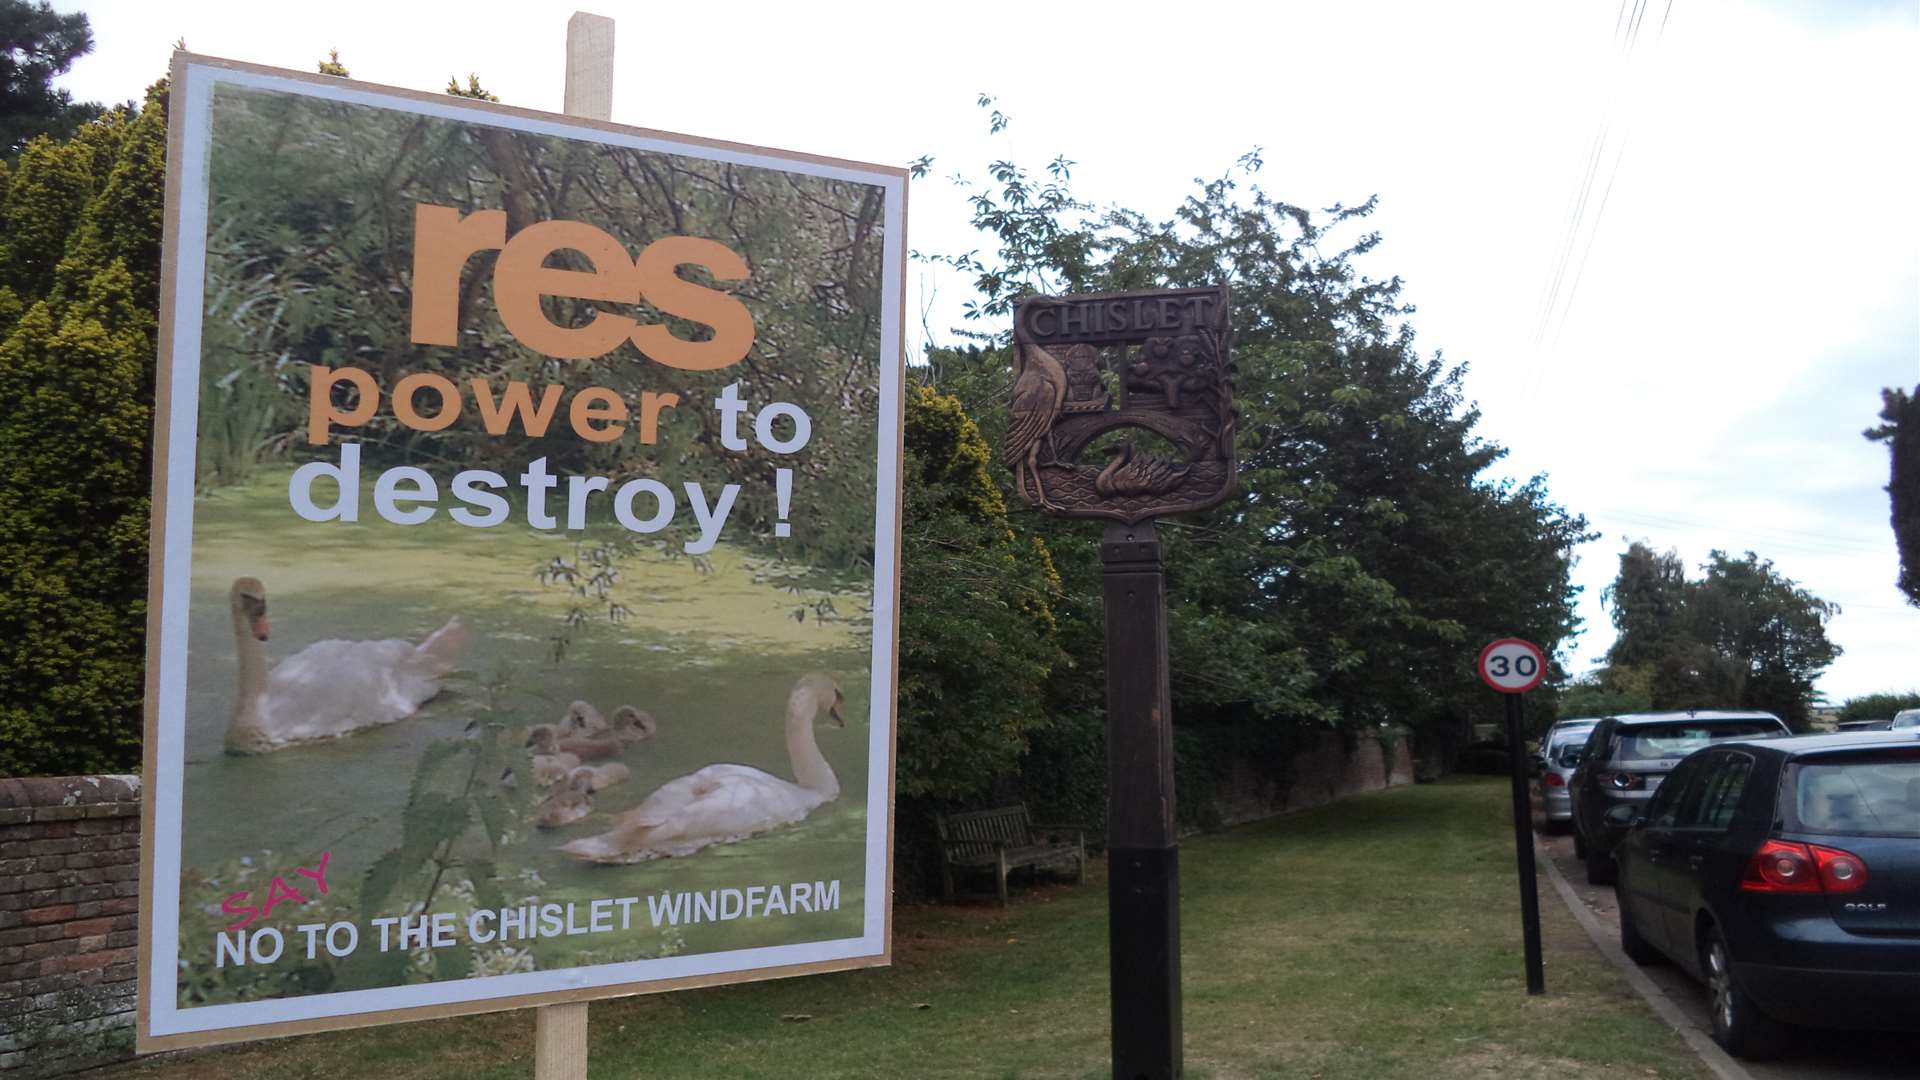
(1512, 666)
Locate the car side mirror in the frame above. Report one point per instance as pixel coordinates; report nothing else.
(1624, 817)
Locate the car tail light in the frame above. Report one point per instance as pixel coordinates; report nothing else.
(1624, 781)
(1553, 779)
(1783, 867)
(1840, 871)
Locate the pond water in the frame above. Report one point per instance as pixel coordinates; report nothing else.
(710, 650)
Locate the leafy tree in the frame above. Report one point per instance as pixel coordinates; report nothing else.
(1772, 631)
(1608, 692)
(1901, 433)
(1363, 557)
(1741, 636)
(37, 45)
(1878, 706)
(1647, 598)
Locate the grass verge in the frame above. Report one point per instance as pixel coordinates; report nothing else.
(1377, 938)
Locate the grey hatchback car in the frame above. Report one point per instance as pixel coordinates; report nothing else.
(1626, 758)
(1553, 768)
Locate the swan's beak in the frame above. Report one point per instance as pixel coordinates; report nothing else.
(260, 628)
(839, 699)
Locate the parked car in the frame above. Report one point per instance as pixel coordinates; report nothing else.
(1559, 752)
(1906, 718)
(1624, 761)
(1785, 874)
(1863, 725)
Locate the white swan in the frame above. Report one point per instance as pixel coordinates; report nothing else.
(721, 803)
(329, 688)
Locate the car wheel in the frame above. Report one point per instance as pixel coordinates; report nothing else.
(1579, 843)
(1599, 867)
(1631, 943)
(1739, 1026)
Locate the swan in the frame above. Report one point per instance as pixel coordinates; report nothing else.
(543, 743)
(723, 803)
(329, 688)
(568, 805)
(601, 777)
(582, 719)
(550, 769)
(1128, 475)
(633, 725)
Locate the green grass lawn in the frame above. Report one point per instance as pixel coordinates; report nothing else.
(1376, 938)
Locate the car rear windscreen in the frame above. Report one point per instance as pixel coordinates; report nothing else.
(1656, 741)
(1873, 794)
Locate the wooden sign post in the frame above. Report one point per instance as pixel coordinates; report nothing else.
(1165, 352)
(560, 1031)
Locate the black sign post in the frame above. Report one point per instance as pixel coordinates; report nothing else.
(1513, 667)
(1087, 367)
(1143, 846)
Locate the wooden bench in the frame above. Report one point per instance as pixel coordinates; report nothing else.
(1004, 839)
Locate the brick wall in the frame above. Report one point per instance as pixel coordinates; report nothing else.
(69, 906)
(1323, 771)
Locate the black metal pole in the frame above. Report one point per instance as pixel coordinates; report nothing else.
(1523, 844)
(1143, 848)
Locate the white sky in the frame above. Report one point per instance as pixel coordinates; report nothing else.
(1752, 283)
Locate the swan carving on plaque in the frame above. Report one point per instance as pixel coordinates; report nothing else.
(1145, 375)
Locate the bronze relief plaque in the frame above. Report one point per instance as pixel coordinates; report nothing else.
(1153, 363)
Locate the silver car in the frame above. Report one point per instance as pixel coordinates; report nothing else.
(1553, 768)
(1906, 718)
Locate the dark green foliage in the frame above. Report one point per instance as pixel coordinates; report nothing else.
(77, 366)
(976, 626)
(1740, 637)
(1608, 692)
(1648, 598)
(1878, 706)
(976, 622)
(38, 44)
(50, 189)
(1901, 433)
(1363, 558)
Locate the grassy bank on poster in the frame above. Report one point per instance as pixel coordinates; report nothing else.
(711, 649)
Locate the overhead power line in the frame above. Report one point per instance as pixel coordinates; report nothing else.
(1561, 291)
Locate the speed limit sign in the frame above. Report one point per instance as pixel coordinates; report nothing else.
(1512, 666)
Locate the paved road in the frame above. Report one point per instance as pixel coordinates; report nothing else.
(1816, 1056)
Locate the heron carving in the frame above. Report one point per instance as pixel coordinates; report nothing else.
(1039, 393)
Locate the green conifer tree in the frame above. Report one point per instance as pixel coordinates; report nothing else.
(79, 285)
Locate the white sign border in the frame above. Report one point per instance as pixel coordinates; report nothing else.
(1539, 654)
(162, 1023)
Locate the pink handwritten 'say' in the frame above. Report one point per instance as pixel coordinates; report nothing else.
(278, 892)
